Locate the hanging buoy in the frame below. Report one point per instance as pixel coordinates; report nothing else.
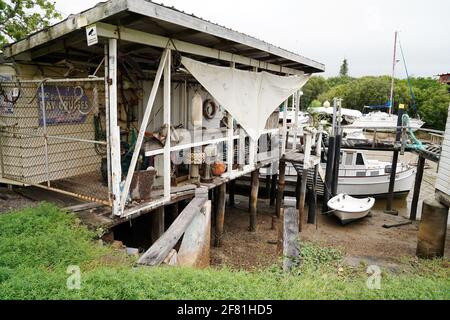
(197, 110)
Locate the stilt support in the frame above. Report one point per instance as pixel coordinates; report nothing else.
(301, 202)
(254, 200)
(280, 192)
(417, 184)
(157, 224)
(220, 214)
(273, 189)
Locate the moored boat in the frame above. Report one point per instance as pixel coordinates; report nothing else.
(348, 209)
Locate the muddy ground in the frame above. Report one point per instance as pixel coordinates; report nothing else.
(365, 240)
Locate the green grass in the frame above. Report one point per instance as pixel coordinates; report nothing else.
(37, 245)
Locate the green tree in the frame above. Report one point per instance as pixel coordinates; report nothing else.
(343, 71)
(19, 18)
(312, 89)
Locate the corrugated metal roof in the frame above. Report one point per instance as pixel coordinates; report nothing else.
(155, 18)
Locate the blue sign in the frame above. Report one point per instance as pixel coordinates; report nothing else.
(63, 105)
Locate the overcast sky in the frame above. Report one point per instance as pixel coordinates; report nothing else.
(329, 31)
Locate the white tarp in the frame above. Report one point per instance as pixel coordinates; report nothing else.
(250, 97)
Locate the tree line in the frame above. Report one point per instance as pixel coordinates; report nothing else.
(432, 98)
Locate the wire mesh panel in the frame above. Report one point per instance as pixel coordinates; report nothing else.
(53, 134)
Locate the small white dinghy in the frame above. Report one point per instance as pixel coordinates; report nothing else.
(348, 209)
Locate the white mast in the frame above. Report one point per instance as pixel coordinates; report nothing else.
(391, 100)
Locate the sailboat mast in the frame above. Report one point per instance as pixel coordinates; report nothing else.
(391, 100)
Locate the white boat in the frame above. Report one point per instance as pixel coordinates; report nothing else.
(303, 117)
(359, 176)
(349, 115)
(349, 209)
(382, 120)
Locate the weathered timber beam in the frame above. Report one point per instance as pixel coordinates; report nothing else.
(156, 254)
(131, 35)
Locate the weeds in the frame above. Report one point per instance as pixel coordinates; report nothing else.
(37, 245)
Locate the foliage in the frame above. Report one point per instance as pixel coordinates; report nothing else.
(18, 18)
(315, 86)
(38, 244)
(431, 97)
(343, 71)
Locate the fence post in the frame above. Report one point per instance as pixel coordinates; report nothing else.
(114, 129)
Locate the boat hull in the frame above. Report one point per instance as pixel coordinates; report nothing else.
(347, 217)
(373, 186)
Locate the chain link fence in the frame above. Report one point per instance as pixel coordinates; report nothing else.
(53, 135)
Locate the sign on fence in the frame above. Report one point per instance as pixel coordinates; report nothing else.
(63, 105)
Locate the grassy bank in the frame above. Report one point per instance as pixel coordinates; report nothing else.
(37, 245)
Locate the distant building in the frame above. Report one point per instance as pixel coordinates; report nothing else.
(445, 78)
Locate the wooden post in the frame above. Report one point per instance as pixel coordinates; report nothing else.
(114, 129)
(297, 189)
(312, 202)
(254, 200)
(337, 159)
(157, 224)
(273, 189)
(156, 254)
(174, 211)
(291, 247)
(267, 188)
(432, 229)
(417, 184)
(301, 204)
(280, 191)
(220, 214)
(390, 197)
(280, 232)
(328, 174)
(231, 192)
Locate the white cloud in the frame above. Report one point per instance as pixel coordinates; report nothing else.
(329, 30)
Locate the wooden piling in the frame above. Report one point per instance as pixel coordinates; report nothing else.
(328, 174)
(291, 248)
(337, 159)
(273, 189)
(310, 196)
(174, 210)
(267, 187)
(390, 197)
(254, 200)
(417, 185)
(231, 192)
(313, 201)
(297, 189)
(301, 203)
(281, 184)
(432, 230)
(157, 224)
(220, 214)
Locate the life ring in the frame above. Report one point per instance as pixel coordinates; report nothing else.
(209, 109)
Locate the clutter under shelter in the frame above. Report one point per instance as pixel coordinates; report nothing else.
(135, 106)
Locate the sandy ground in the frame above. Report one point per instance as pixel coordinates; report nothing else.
(365, 240)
